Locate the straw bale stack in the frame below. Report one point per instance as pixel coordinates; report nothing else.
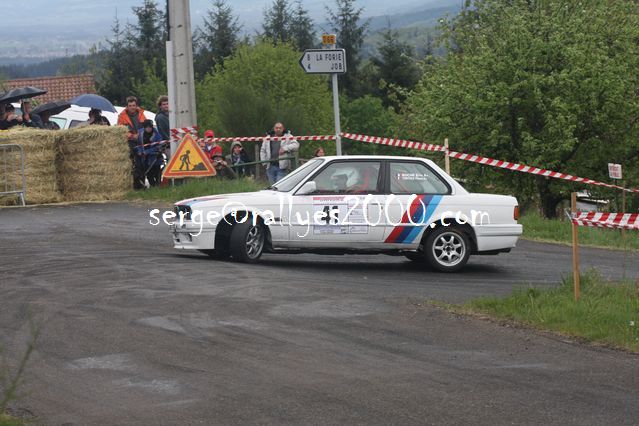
(93, 163)
(39, 163)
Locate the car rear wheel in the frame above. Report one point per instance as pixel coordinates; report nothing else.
(447, 249)
(247, 241)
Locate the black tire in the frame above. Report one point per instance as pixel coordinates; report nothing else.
(447, 249)
(415, 256)
(216, 254)
(247, 241)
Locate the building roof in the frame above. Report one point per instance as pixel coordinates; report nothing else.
(58, 88)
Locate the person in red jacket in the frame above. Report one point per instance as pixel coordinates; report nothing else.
(132, 117)
(210, 147)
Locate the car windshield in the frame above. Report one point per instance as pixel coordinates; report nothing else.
(292, 180)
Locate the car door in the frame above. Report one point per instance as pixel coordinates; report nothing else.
(342, 212)
(414, 193)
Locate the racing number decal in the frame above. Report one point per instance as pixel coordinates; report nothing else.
(331, 215)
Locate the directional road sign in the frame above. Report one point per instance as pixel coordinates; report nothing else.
(324, 61)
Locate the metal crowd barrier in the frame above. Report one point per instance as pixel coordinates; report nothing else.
(12, 179)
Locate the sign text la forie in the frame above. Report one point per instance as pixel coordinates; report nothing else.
(324, 61)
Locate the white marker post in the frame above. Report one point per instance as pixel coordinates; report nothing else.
(327, 60)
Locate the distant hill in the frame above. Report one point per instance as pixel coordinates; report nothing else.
(416, 28)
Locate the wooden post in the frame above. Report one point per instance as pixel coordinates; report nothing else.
(575, 247)
(446, 158)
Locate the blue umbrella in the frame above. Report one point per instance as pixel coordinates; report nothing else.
(93, 101)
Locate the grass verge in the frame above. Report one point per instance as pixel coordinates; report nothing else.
(10, 421)
(607, 313)
(555, 230)
(195, 188)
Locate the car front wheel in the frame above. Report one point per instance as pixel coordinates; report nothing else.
(447, 249)
(247, 241)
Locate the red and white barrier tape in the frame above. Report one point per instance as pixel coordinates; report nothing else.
(422, 146)
(482, 160)
(606, 220)
(273, 138)
(184, 130)
(251, 139)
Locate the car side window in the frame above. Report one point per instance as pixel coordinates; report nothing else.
(415, 178)
(354, 177)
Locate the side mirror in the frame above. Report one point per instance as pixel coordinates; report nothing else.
(308, 188)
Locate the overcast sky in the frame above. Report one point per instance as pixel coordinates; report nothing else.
(97, 15)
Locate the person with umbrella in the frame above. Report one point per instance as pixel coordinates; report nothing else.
(96, 118)
(30, 118)
(46, 110)
(149, 154)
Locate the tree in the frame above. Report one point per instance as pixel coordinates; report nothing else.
(368, 116)
(150, 31)
(397, 68)
(350, 36)
(129, 50)
(277, 21)
(149, 87)
(547, 83)
(260, 85)
(217, 39)
(301, 28)
(114, 79)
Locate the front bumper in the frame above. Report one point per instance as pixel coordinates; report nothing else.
(189, 236)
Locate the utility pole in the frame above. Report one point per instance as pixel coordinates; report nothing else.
(179, 64)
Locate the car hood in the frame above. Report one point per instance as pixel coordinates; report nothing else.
(210, 201)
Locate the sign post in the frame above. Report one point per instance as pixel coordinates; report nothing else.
(328, 60)
(615, 172)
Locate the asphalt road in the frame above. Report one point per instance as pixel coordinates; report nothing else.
(133, 332)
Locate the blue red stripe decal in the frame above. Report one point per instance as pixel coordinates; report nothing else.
(420, 212)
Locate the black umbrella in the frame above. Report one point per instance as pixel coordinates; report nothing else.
(21, 93)
(53, 108)
(91, 100)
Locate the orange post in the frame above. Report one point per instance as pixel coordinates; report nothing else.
(575, 247)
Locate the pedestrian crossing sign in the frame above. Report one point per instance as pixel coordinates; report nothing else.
(188, 161)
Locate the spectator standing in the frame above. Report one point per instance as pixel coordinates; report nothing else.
(273, 149)
(210, 147)
(162, 118)
(132, 117)
(319, 152)
(237, 157)
(30, 119)
(149, 153)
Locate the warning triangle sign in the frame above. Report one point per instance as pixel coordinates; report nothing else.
(188, 161)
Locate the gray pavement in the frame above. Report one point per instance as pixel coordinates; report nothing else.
(133, 332)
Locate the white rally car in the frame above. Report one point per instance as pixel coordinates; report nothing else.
(353, 204)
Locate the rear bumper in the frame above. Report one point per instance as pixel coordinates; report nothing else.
(497, 237)
(189, 237)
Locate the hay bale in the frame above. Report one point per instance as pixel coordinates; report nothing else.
(93, 163)
(39, 163)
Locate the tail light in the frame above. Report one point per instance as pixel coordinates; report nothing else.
(516, 213)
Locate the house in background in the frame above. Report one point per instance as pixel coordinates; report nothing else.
(58, 88)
